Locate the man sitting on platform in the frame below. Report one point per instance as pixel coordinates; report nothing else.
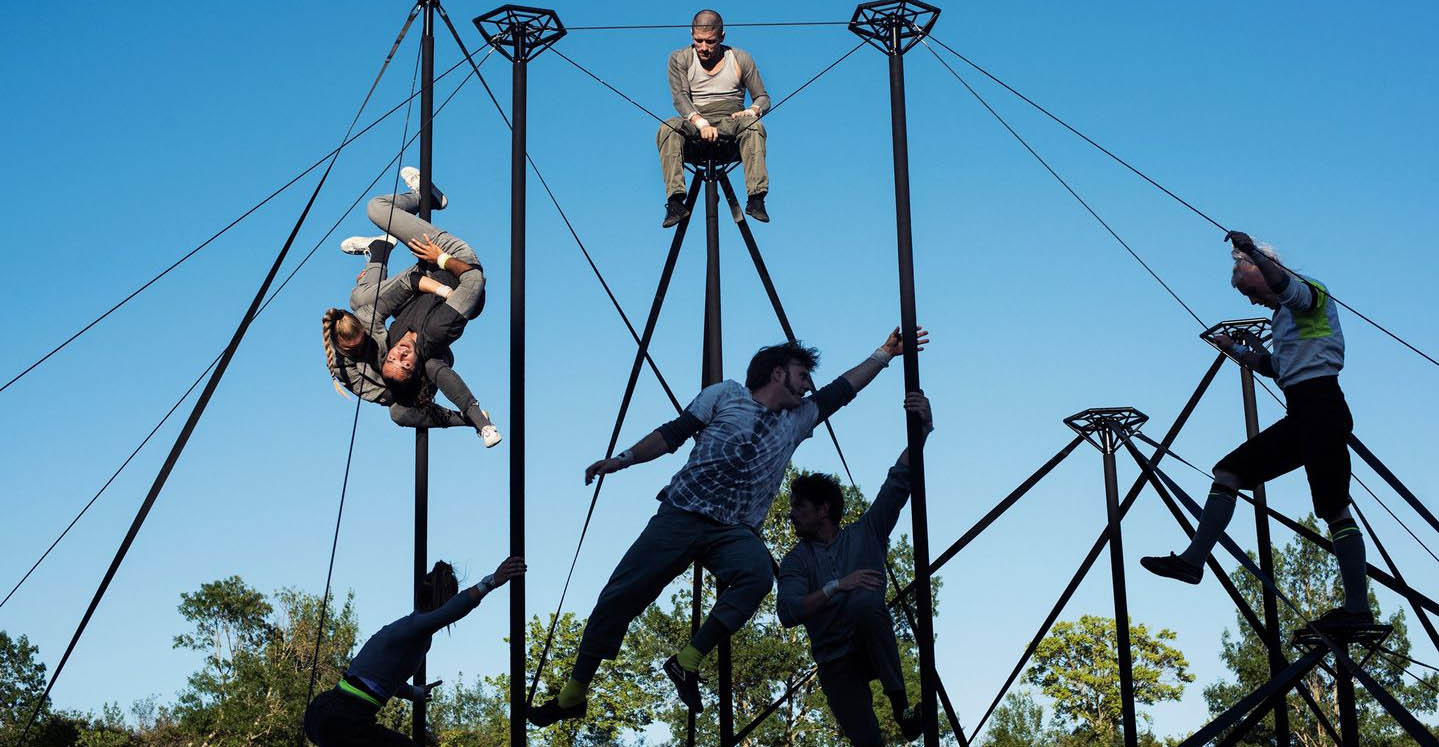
(708, 81)
(711, 510)
(833, 582)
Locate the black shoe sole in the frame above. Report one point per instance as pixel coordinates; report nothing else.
(1168, 573)
(548, 715)
(761, 217)
(672, 221)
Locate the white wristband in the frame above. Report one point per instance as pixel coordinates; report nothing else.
(489, 583)
(830, 588)
(443, 258)
(881, 356)
(700, 122)
(443, 291)
(626, 457)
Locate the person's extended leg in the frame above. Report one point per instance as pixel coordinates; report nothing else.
(875, 639)
(846, 688)
(1326, 465)
(1272, 452)
(752, 139)
(670, 141)
(457, 392)
(659, 555)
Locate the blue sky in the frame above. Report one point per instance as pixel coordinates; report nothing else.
(138, 131)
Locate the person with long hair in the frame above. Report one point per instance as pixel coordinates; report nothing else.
(345, 716)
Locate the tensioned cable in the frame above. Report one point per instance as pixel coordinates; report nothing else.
(1062, 182)
(195, 414)
(201, 377)
(1164, 189)
(812, 79)
(349, 139)
(1393, 656)
(763, 24)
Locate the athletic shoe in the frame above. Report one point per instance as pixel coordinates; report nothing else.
(551, 711)
(675, 211)
(361, 244)
(411, 177)
(490, 435)
(754, 208)
(911, 725)
(1173, 566)
(1340, 619)
(687, 683)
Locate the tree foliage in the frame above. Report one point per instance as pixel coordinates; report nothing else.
(1305, 574)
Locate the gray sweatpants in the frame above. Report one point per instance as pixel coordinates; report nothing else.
(673, 539)
(396, 215)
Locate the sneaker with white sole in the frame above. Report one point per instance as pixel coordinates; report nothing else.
(490, 435)
(411, 177)
(361, 244)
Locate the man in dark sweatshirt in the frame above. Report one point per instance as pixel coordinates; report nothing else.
(833, 581)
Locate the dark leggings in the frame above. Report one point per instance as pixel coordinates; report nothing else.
(338, 719)
(845, 683)
(1313, 434)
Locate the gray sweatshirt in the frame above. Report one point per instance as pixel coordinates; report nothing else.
(862, 544)
(683, 78)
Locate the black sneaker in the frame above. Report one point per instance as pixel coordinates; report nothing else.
(1173, 566)
(1340, 619)
(754, 208)
(551, 711)
(687, 683)
(675, 211)
(911, 725)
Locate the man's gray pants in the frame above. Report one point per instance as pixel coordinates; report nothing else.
(749, 134)
(673, 539)
(382, 296)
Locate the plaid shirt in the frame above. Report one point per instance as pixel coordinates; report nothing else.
(740, 454)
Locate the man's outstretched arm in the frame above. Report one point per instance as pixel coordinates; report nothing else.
(665, 439)
(834, 396)
(894, 494)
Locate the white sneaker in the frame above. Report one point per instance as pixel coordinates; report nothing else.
(489, 434)
(411, 177)
(361, 244)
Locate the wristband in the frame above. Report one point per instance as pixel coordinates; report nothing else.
(489, 583)
(700, 122)
(626, 457)
(444, 257)
(443, 291)
(882, 357)
(830, 588)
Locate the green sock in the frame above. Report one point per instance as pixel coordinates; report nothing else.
(690, 658)
(573, 693)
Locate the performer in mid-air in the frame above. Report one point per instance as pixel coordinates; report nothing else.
(833, 582)
(345, 716)
(708, 82)
(711, 510)
(1313, 434)
(430, 303)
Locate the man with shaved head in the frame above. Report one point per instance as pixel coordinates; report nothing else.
(708, 81)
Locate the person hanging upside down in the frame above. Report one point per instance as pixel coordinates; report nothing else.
(833, 581)
(431, 303)
(345, 716)
(1313, 434)
(711, 510)
(708, 81)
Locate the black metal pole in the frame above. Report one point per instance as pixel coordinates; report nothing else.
(1121, 600)
(519, 118)
(914, 431)
(713, 373)
(1348, 714)
(422, 435)
(1266, 565)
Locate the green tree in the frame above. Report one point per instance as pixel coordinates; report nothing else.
(1017, 722)
(1077, 667)
(1306, 575)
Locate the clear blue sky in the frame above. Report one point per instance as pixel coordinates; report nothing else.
(136, 131)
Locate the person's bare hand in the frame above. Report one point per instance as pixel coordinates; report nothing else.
(512, 567)
(425, 249)
(918, 404)
(895, 344)
(709, 133)
(865, 578)
(602, 467)
(744, 114)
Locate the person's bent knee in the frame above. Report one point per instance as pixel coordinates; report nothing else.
(1228, 479)
(379, 209)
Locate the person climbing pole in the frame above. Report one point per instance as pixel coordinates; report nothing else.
(1313, 434)
(833, 582)
(431, 303)
(711, 510)
(708, 82)
(345, 715)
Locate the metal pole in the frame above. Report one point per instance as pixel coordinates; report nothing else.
(1121, 601)
(1348, 714)
(422, 435)
(518, 115)
(1266, 565)
(712, 373)
(925, 631)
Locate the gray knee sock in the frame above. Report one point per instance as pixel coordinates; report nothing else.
(1217, 512)
(1349, 551)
